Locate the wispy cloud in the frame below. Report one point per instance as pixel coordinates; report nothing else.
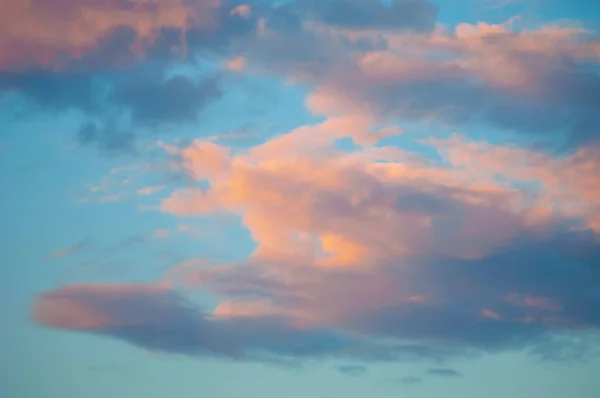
(68, 250)
(443, 372)
(352, 370)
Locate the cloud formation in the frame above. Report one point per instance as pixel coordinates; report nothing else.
(443, 372)
(434, 259)
(42, 33)
(540, 82)
(368, 253)
(156, 318)
(112, 61)
(533, 82)
(429, 253)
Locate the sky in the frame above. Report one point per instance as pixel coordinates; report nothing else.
(345, 198)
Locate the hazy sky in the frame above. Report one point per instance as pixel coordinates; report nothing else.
(305, 198)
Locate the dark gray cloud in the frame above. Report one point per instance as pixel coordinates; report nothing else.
(51, 90)
(116, 103)
(170, 100)
(107, 136)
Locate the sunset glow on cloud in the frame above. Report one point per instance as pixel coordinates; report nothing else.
(338, 197)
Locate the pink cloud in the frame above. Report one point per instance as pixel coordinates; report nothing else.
(490, 314)
(335, 196)
(243, 10)
(35, 33)
(236, 64)
(66, 251)
(523, 80)
(327, 223)
(150, 190)
(376, 242)
(567, 184)
(62, 309)
(543, 303)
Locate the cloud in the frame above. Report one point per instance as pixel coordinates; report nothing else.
(352, 370)
(567, 182)
(540, 83)
(413, 15)
(150, 190)
(65, 251)
(243, 10)
(446, 255)
(410, 380)
(443, 372)
(236, 64)
(113, 61)
(174, 99)
(157, 318)
(372, 254)
(108, 137)
(54, 91)
(37, 33)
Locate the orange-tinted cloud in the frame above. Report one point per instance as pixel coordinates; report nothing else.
(543, 303)
(379, 240)
(490, 314)
(567, 184)
(336, 197)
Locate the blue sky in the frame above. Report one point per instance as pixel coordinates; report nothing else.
(303, 198)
